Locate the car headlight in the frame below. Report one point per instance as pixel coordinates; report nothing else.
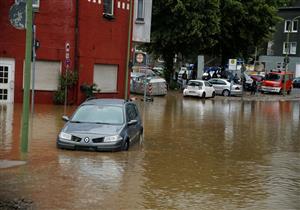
(65, 136)
(112, 138)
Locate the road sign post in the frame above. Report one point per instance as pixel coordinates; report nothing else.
(26, 93)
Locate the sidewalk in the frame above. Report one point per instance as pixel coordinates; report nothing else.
(294, 96)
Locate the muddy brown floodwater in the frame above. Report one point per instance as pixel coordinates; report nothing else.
(196, 154)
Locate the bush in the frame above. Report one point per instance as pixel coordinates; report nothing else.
(59, 97)
(89, 90)
(66, 80)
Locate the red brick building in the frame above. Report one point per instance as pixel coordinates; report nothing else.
(96, 32)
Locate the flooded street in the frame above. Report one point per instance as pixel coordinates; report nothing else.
(196, 154)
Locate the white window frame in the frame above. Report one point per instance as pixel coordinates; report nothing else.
(143, 11)
(286, 29)
(292, 48)
(109, 13)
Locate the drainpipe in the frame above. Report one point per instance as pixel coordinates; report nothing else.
(128, 50)
(76, 44)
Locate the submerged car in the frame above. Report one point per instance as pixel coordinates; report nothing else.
(102, 125)
(226, 88)
(199, 88)
(156, 86)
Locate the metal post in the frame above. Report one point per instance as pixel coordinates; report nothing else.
(287, 51)
(128, 50)
(33, 69)
(66, 91)
(26, 93)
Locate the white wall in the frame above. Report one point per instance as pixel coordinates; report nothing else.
(142, 29)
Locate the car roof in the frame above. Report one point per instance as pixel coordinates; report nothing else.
(219, 79)
(114, 102)
(280, 72)
(196, 80)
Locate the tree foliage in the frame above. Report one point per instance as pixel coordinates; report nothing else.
(183, 26)
(245, 25)
(227, 28)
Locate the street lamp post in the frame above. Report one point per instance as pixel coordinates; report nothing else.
(287, 51)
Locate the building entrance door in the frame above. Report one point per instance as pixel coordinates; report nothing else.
(6, 81)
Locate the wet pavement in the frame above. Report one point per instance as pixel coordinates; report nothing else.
(196, 154)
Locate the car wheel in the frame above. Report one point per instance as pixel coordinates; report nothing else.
(203, 95)
(213, 95)
(225, 93)
(126, 145)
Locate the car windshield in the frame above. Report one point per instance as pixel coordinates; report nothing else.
(273, 77)
(194, 83)
(99, 114)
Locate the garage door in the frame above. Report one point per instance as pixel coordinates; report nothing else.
(46, 75)
(105, 76)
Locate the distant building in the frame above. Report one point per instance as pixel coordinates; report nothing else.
(86, 36)
(141, 29)
(278, 47)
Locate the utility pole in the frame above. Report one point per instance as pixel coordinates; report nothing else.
(26, 93)
(128, 50)
(286, 59)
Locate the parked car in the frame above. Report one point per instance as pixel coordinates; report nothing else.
(274, 82)
(157, 86)
(226, 88)
(296, 82)
(257, 77)
(248, 80)
(158, 71)
(199, 88)
(102, 125)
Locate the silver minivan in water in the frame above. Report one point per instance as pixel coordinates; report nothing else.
(102, 125)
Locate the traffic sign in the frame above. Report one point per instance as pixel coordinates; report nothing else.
(140, 58)
(17, 15)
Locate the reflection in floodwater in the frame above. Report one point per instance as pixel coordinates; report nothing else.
(6, 125)
(196, 154)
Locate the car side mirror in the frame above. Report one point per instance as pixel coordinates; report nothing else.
(132, 122)
(65, 118)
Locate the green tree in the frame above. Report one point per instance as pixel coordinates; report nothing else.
(245, 25)
(183, 27)
(226, 28)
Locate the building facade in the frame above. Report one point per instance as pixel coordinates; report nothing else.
(89, 37)
(142, 16)
(285, 42)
